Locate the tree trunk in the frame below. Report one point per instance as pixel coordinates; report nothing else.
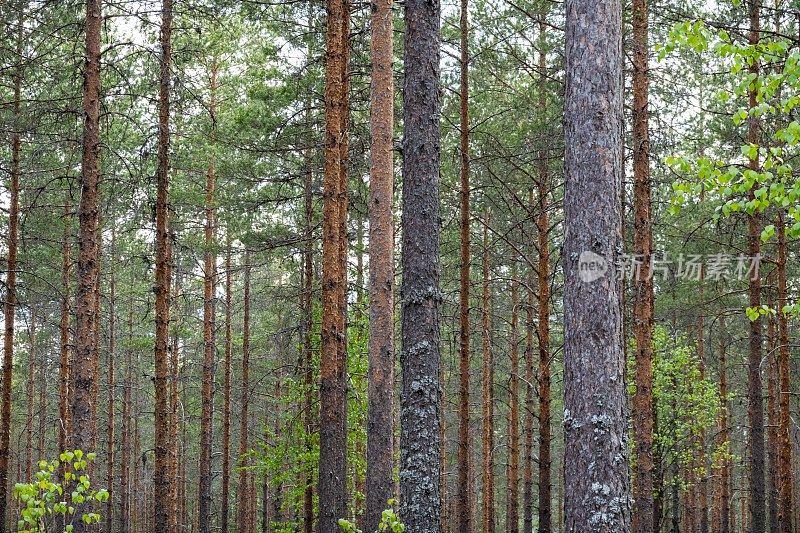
(527, 424)
(333, 382)
(125, 514)
(30, 394)
(111, 384)
(226, 393)
(244, 494)
(463, 512)
(595, 418)
(419, 440)
(772, 418)
(209, 348)
(87, 298)
(308, 361)
(513, 419)
(723, 525)
(488, 511)
(177, 457)
(163, 475)
(786, 476)
(643, 416)
(9, 309)
(543, 230)
(64, 430)
(755, 410)
(380, 394)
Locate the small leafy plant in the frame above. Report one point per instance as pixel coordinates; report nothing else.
(390, 522)
(60, 493)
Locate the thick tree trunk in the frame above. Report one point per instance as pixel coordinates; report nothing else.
(597, 495)
(755, 410)
(87, 298)
(244, 494)
(380, 393)
(643, 416)
(209, 344)
(463, 512)
(489, 520)
(333, 379)
(786, 475)
(543, 236)
(513, 419)
(163, 473)
(421, 297)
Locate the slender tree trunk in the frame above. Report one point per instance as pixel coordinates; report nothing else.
(9, 308)
(786, 476)
(702, 462)
(772, 418)
(30, 394)
(463, 512)
(209, 348)
(595, 418)
(488, 511)
(177, 458)
(163, 473)
(527, 431)
(333, 382)
(245, 475)
(723, 526)
(643, 415)
(64, 430)
(419, 415)
(125, 515)
(755, 411)
(513, 419)
(380, 393)
(226, 392)
(543, 229)
(308, 362)
(111, 385)
(87, 299)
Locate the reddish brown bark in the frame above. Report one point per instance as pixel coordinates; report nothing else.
(163, 471)
(543, 235)
(64, 344)
(488, 513)
(642, 406)
(786, 474)
(245, 477)
(722, 522)
(209, 344)
(87, 297)
(333, 382)
(380, 394)
(463, 512)
(9, 308)
(755, 409)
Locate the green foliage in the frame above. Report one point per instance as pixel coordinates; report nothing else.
(686, 402)
(389, 522)
(43, 499)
